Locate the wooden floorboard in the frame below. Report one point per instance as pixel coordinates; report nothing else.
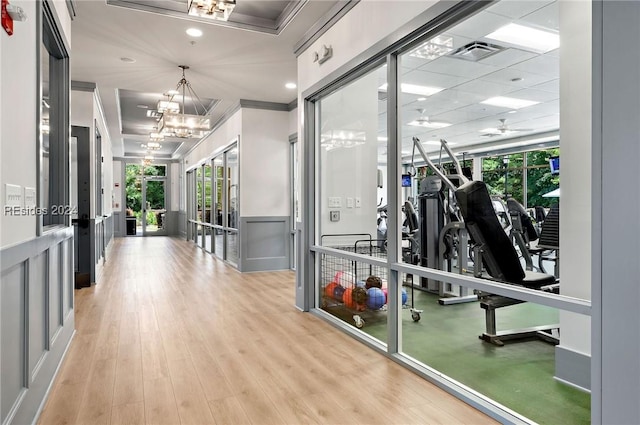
(171, 335)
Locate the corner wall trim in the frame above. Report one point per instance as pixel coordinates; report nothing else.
(323, 25)
(573, 368)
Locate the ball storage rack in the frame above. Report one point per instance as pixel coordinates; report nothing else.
(340, 277)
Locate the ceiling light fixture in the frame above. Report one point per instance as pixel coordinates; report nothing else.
(530, 38)
(194, 32)
(180, 124)
(291, 86)
(424, 121)
(212, 9)
(509, 102)
(434, 48)
(414, 89)
(342, 139)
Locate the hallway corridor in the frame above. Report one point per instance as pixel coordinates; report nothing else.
(172, 335)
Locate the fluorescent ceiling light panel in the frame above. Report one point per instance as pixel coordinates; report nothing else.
(509, 102)
(429, 124)
(414, 89)
(527, 37)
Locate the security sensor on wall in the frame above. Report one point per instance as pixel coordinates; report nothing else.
(16, 13)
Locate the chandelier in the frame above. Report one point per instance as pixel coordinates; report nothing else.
(212, 9)
(175, 122)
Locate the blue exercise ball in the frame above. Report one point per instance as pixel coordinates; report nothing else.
(405, 297)
(375, 298)
(338, 291)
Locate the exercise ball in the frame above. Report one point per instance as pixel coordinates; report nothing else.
(405, 297)
(375, 298)
(360, 284)
(373, 282)
(345, 279)
(328, 290)
(347, 298)
(338, 292)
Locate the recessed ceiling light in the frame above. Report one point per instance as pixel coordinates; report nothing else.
(527, 37)
(421, 99)
(509, 102)
(194, 32)
(290, 85)
(512, 112)
(414, 89)
(127, 60)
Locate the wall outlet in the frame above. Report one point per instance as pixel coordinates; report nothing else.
(335, 202)
(349, 202)
(334, 215)
(358, 202)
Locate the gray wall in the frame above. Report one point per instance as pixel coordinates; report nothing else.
(265, 243)
(37, 320)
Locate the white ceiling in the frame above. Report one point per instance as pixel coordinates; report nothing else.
(229, 64)
(226, 63)
(513, 72)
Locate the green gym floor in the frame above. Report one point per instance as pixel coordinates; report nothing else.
(518, 375)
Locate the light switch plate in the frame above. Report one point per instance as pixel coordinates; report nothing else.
(12, 195)
(29, 197)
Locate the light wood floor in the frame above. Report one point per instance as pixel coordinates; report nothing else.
(171, 335)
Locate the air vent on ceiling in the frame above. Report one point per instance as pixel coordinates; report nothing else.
(476, 51)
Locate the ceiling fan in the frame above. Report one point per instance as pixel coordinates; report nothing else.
(424, 121)
(502, 130)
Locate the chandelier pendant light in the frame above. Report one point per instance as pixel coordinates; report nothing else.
(179, 123)
(212, 9)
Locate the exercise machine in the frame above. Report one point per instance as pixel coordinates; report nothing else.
(443, 236)
(497, 257)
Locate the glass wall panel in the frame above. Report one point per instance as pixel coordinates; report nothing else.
(542, 179)
(218, 172)
(452, 95)
(233, 196)
(207, 193)
(199, 193)
(232, 247)
(352, 152)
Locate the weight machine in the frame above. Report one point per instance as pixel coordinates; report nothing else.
(443, 236)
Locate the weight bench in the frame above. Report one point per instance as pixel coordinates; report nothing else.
(496, 252)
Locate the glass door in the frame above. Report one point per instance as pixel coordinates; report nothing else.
(154, 206)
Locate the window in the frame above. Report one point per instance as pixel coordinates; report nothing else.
(53, 158)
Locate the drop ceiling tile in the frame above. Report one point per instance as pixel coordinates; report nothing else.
(458, 116)
(552, 86)
(545, 17)
(535, 95)
(516, 9)
(458, 67)
(543, 64)
(479, 25)
(486, 89)
(508, 57)
(505, 76)
(432, 79)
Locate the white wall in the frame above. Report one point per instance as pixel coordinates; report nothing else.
(223, 136)
(367, 23)
(293, 121)
(18, 125)
(175, 180)
(575, 145)
(350, 173)
(264, 163)
(118, 205)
